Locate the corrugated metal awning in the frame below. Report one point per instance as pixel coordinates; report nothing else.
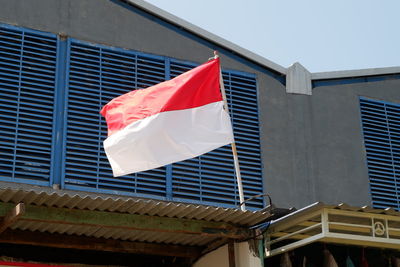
(48, 197)
(108, 217)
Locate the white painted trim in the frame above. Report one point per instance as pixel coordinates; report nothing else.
(363, 214)
(296, 216)
(324, 221)
(355, 232)
(294, 245)
(360, 239)
(317, 225)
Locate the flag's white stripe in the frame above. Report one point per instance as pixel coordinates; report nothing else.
(168, 137)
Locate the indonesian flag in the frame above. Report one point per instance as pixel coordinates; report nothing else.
(172, 121)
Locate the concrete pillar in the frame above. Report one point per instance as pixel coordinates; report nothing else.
(215, 258)
(244, 257)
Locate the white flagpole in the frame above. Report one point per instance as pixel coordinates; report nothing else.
(233, 145)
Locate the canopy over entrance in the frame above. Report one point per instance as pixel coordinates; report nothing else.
(341, 224)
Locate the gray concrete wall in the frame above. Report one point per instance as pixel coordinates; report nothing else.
(109, 23)
(311, 145)
(313, 149)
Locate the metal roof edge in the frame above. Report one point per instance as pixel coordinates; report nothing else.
(170, 18)
(354, 73)
(206, 35)
(312, 207)
(341, 206)
(61, 198)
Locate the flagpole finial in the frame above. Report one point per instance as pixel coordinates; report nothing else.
(216, 54)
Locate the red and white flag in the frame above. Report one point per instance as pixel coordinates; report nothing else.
(172, 121)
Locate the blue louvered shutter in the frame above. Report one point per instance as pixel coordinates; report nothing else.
(98, 74)
(27, 85)
(210, 178)
(51, 92)
(381, 128)
(243, 100)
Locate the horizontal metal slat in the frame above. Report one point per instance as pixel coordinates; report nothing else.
(120, 55)
(84, 67)
(86, 57)
(377, 120)
(13, 37)
(32, 58)
(37, 50)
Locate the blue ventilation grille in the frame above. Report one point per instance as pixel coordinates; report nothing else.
(98, 74)
(381, 127)
(211, 178)
(27, 82)
(242, 94)
(51, 93)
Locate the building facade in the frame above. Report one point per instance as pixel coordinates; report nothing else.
(87, 73)
(302, 137)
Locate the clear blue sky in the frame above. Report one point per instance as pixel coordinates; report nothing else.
(323, 35)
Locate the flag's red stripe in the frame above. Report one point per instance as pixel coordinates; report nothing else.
(195, 88)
